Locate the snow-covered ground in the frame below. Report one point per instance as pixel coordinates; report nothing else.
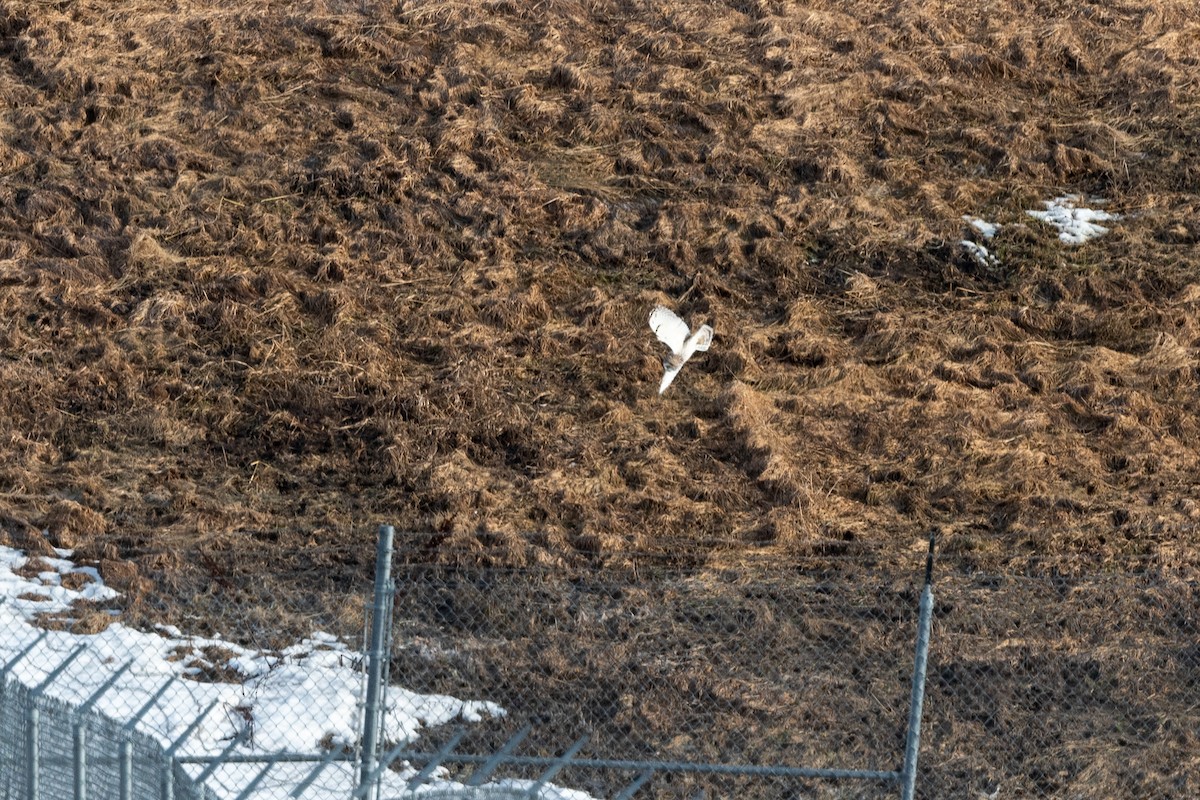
(296, 700)
(1075, 222)
(978, 251)
(987, 230)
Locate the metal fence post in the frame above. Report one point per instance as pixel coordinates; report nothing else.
(80, 730)
(126, 773)
(79, 784)
(31, 741)
(912, 744)
(31, 755)
(126, 764)
(376, 655)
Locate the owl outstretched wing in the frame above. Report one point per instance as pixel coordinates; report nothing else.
(673, 332)
(700, 340)
(669, 328)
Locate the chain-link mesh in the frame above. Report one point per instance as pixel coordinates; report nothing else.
(1063, 687)
(50, 736)
(778, 667)
(95, 705)
(1039, 685)
(1048, 685)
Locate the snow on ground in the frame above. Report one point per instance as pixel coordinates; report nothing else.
(985, 229)
(291, 701)
(1076, 223)
(979, 252)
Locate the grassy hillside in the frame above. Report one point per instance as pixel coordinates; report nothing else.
(270, 275)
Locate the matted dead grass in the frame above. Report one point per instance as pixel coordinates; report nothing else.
(270, 275)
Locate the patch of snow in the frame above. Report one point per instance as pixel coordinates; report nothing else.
(981, 254)
(1075, 223)
(47, 584)
(984, 228)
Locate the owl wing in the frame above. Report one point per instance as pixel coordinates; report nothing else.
(669, 328)
(700, 340)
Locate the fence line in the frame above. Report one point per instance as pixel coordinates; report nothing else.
(905, 777)
(639, 683)
(113, 757)
(379, 647)
(54, 750)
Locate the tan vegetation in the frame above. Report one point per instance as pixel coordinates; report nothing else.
(270, 274)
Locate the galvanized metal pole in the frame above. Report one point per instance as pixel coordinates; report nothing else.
(32, 736)
(81, 763)
(168, 788)
(127, 730)
(80, 782)
(31, 778)
(126, 769)
(912, 744)
(376, 656)
(80, 726)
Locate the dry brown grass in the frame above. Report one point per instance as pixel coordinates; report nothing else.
(270, 275)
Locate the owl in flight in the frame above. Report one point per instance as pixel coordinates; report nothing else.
(674, 333)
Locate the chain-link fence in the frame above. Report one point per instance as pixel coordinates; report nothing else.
(685, 667)
(44, 740)
(569, 679)
(1041, 683)
(1064, 686)
(92, 708)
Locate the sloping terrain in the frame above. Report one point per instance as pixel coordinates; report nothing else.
(271, 274)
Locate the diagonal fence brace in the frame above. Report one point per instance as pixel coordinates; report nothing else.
(187, 733)
(638, 782)
(436, 761)
(367, 784)
(8, 667)
(490, 766)
(557, 766)
(128, 727)
(252, 785)
(59, 670)
(102, 689)
(218, 759)
(313, 773)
